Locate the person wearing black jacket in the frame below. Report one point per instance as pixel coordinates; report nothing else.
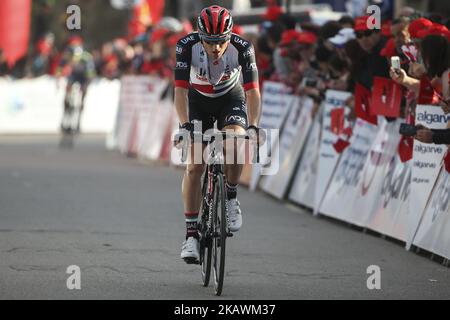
(427, 135)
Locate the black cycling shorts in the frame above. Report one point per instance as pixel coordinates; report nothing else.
(229, 109)
(78, 78)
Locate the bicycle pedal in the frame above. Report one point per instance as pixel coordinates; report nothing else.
(191, 261)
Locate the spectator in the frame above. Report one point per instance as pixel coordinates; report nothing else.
(347, 22)
(3, 64)
(435, 53)
(427, 135)
(372, 43)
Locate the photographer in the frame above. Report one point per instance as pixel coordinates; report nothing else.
(435, 52)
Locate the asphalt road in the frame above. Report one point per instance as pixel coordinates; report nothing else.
(120, 221)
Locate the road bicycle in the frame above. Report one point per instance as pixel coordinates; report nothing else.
(71, 118)
(213, 225)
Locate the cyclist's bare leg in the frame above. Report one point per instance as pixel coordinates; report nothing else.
(66, 97)
(83, 96)
(66, 105)
(233, 170)
(192, 179)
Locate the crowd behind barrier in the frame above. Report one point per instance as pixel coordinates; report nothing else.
(339, 106)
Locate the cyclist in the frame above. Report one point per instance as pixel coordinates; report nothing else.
(216, 79)
(80, 66)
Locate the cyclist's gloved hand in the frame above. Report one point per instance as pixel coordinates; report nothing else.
(254, 133)
(185, 131)
(187, 126)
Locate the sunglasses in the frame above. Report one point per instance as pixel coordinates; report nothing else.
(361, 34)
(212, 43)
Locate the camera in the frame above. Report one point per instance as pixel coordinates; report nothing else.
(408, 130)
(309, 82)
(395, 63)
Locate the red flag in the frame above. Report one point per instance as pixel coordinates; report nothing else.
(337, 120)
(447, 161)
(362, 104)
(427, 94)
(14, 28)
(342, 143)
(386, 98)
(405, 148)
(149, 12)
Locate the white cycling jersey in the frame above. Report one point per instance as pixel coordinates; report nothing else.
(215, 78)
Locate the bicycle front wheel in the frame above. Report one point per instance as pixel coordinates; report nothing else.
(205, 237)
(220, 233)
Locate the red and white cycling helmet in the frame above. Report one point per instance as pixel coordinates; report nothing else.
(215, 24)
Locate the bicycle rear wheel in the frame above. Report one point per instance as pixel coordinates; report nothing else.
(219, 234)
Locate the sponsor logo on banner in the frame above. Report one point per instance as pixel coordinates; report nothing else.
(430, 118)
(349, 171)
(396, 183)
(441, 201)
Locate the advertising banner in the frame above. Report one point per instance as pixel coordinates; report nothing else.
(434, 230)
(35, 106)
(276, 103)
(328, 156)
(425, 164)
(291, 143)
(139, 98)
(342, 192)
(304, 186)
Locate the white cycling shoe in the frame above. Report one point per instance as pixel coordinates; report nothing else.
(234, 215)
(190, 251)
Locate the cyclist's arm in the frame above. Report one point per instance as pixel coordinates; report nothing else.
(251, 84)
(254, 107)
(181, 104)
(182, 75)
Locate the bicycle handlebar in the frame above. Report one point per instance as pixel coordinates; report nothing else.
(210, 138)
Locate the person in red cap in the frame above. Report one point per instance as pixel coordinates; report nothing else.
(307, 44)
(418, 25)
(273, 13)
(372, 42)
(436, 29)
(435, 54)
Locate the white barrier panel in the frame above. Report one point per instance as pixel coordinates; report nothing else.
(304, 186)
(35, 106)
(31, 105)
(291, 144)
(434, 230)
(139, 99)
(343, 191)
(101, 106)
(156, 127)
(389, 181)
(328, 156)
(426, 164)
(276, 104)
